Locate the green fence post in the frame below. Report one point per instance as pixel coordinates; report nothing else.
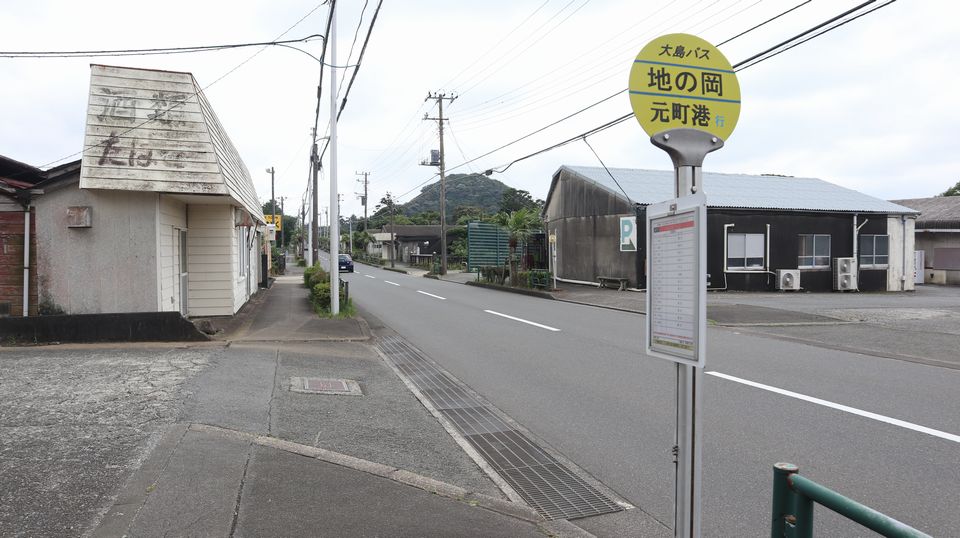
(782, 513)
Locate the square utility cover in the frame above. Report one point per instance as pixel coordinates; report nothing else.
(318, 385)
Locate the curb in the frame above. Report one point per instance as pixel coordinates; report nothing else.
(402, 476)
(395, 270)
(521, 291)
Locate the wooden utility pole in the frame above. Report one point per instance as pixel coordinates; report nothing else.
(440, 97)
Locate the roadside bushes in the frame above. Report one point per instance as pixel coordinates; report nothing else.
(317, 280)
(314, 275)
(495, 274)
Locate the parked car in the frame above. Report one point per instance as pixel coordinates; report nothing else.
(346, 263)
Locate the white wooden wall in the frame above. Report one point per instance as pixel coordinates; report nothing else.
(173, 218)
(211, 260)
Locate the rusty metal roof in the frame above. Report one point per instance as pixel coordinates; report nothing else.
(740, 191)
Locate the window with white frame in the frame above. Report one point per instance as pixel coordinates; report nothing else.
(874, 250)
(814, 252)
(745, 252)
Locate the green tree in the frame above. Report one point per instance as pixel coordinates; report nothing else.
(427, 217)
(952, 191)
(520, 224)
(467, 213)
(516, 199)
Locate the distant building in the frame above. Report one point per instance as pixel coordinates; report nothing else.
(159, 215)
(937, 237)
(17, 230)
(414, 242)
(757, 227)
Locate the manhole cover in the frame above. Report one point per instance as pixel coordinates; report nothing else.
(318, 385)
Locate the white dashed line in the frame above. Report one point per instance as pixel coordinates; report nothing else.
(841, 407)
(391, 283)
(432, 295)
(547, 327)
(369, 276)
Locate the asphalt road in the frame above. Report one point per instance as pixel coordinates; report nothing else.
(882, 431)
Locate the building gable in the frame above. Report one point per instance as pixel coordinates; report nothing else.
(150, 130)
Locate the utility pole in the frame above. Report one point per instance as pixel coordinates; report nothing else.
(335, 221)
(393, 231)
(440, 97)
(363, 199)
(315, 212)
(273, 201)
(282, 245)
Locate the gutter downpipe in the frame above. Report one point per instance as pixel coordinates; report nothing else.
(726, 231)
(856, 242)
(26, 260)
(903, 252)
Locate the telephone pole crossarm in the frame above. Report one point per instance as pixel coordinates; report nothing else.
(440, 97)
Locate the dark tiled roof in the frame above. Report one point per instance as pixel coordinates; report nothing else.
(939, 212)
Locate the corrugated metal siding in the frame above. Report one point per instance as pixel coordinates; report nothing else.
(149, 130)
(740, 191)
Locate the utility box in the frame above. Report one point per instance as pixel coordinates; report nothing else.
(788, 279)
(844, 274)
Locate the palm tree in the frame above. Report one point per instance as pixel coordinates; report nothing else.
(521, 224)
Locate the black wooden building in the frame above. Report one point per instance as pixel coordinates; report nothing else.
(760, 230)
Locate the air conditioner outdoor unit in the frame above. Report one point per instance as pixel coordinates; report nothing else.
(844, 274)
(788, 279)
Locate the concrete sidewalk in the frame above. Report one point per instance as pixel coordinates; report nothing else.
(208, 481)
(254, 454)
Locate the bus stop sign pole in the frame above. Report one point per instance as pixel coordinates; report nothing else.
(687, 148)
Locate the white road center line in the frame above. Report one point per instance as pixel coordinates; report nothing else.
(391, 283)
(432, 295)
(547, 327)
(841, 407)
(369, 276)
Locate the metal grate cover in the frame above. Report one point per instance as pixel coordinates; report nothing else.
(544, 483)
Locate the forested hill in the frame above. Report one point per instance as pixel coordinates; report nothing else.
(475, 190)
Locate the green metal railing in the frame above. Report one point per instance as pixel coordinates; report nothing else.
(793, 498)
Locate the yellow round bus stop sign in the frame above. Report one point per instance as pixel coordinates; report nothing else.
(681, 81)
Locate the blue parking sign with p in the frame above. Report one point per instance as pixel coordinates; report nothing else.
(628, 234)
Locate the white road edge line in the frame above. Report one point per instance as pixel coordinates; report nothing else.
(391, 283)
(369, 276)
(841, 407)
(432, 295)
(547, 327)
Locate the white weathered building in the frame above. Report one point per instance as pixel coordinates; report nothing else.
(162, 215)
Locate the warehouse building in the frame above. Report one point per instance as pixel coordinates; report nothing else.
(763, 232)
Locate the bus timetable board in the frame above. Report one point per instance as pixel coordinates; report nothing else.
(676, 280)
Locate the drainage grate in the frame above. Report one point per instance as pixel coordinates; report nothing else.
(544, 483)
(317, 385)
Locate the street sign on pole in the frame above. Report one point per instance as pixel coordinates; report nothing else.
(676, 282)
(687, 98)
(679, 81)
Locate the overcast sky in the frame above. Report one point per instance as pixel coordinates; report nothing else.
(870, 106)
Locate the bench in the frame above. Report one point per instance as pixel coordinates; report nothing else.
(621, 283)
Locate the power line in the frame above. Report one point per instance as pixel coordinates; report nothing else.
(743, 65)
(545, 127)
(148, 52)
(771, 19)
(356, 34)
(504, 38)
(363, 49)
